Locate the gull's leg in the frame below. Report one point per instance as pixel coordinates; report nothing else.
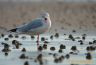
(38, 39)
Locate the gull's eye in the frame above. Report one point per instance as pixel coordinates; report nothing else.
(45, 18)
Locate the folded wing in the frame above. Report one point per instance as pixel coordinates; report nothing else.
(27, 27)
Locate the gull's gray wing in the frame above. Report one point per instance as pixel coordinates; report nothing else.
(32, 25)
(29, 26)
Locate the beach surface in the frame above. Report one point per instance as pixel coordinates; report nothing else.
(65, 17)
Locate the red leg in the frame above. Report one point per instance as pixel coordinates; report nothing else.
(38, 39)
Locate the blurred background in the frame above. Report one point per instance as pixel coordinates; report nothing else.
(68, 16)
(54, 0)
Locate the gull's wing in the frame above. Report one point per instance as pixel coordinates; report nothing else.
(27, 27)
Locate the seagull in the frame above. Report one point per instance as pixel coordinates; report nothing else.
(35, 27)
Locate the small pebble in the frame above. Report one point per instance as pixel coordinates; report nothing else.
(42, 39)
(55, 55)
(10, 36)
(6, 39)
(67, 56)
(23, 50)
(45, 46)
(40, 48)
(88, 56)
(73, 48)
(52, 48)
(39, 56)
(62, 46)
(6, 54)
(60, 51)
(26, 63)
(23, 56)
(56, 60)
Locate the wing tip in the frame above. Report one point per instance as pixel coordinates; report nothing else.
(13, 30)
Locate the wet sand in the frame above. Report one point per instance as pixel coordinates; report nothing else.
(49, 54)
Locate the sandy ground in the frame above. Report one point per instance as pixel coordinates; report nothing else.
(65, 16)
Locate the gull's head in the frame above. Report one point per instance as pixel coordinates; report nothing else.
(45, 15)
(46, 19)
